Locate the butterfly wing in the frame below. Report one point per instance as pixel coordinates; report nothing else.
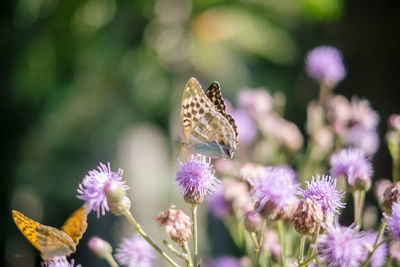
(205, 130)
(50, 241)
(214, 94)
(75, 226)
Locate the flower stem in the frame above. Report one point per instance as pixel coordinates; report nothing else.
(359, 198)
(307, 262)
(188, 258)
(382, 228)
(140, 230)
(301, 248)
(311, 248)
(194, 218)
(281, 232)
(260, 242)
(324, 92)
(109, 258)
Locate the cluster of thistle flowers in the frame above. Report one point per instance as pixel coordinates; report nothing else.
(342, 139)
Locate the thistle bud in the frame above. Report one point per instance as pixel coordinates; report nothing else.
(119, 208)
(99, 247)
(114, 191)
(253, 221)
(390, 196)
(308, 216)
(177, 224)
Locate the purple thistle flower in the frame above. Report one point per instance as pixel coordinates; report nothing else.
(91, 190)
(225, 261)
(363, 138)
(218, 205)
(196, 178)
(353, 164)
(135, 252)
(59, 262)
(276, 186)
(341, 246)
(323, 190)
(246, 126)
(325, 64)
(393, 221)
(379, 256)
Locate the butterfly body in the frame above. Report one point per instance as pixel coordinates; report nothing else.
(207, 128)
(50, 241)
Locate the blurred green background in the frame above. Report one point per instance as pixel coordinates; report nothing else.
(101, 80)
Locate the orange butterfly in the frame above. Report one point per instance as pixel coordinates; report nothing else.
(50, 241)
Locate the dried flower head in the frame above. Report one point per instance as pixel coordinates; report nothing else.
(255, 102)
(275, 191)
(391, 195)
(325, 65)
(196, 178)
(135, 252)
(307, 216)
(379, 257)
(352, 164)
(100, 247)
(92, 188)
(341, 246)
(393, 221)
(323, 190)
(363, 114)
(177, 224)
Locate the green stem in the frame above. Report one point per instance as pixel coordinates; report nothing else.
(171, 248)
(359, 202)
(188, 258)
(139, 229)
(307, 262)
(260, 243)
(382, 228)
(194, 218)
(109, 258)
(301, 248)
(324, 92)
(254, 240)
(281, 232)
(311, 247)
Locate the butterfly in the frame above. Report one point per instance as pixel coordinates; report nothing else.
(207, 128)
(50, 241)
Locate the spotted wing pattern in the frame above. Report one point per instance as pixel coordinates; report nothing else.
(75, 226)
(205, 130)
(50, 241)
(214, 94)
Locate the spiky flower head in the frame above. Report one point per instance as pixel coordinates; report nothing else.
(196, 178)
(379, 257)
(100, 247)
(341, 246)
(352, 164)
(275, 191)
(393, 221)
(307, 216)
(59, 262)
(323, 190)
(92, 188)
(391, 195)
(135, 252)
(225, 261)
(177, 224)
(325, 65)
